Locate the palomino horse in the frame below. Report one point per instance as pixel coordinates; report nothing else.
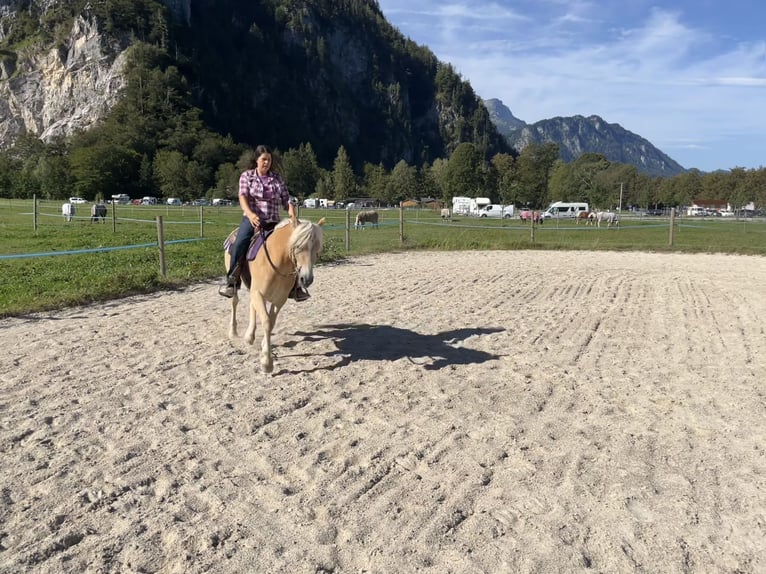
(291, 250)
(608, 217)
(366, 217)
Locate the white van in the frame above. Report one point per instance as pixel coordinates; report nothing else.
(121, 198)
(496, 210)
(565, 209)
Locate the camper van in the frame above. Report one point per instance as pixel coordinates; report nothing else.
(565, 210)
(469, 205)
(496, 210)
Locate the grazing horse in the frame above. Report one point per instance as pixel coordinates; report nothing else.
(291, 250)
(446, 214)
(583, 216)
(608, 217)
(366, 217)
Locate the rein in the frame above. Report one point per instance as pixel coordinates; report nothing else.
(274, 267)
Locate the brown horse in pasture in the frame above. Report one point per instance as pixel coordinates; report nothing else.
(366, 217)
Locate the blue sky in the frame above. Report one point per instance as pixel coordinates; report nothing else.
(689, 76)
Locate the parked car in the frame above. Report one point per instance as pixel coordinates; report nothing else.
(200, 201)
(77, 200)
(173, 201)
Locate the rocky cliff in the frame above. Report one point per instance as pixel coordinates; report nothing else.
(60, 90)
(56, 91)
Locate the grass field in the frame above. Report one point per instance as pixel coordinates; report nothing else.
(65, 263)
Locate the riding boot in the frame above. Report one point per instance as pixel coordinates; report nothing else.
(229, 287)
(298, 293)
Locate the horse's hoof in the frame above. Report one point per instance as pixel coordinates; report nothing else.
(267, 365)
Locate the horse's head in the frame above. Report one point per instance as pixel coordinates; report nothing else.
(305, 247)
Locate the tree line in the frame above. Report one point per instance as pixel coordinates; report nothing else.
(201, 164)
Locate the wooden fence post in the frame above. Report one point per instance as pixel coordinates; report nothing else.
(401, 222)
(201, 221)
(672, 225)
(114, 217)
(348, 227)
(161, 245)
(34, 211)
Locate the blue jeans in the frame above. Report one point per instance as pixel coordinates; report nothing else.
(242, 242)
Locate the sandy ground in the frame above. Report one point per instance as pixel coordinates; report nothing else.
(429, 412)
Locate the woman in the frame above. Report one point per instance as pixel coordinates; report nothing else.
(261, 193)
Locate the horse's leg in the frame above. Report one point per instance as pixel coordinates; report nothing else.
(233, 321)
(258, 306)
(250, 333)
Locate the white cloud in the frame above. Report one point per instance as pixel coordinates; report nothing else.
(677, 85)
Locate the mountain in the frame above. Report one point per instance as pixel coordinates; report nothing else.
(576, 135)
(502, 117)
(282, 72)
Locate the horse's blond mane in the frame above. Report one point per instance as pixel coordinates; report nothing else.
(305, 236)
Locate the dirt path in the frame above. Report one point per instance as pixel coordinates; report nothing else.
(436, 412)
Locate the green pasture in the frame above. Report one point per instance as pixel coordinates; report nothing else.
(106, 264)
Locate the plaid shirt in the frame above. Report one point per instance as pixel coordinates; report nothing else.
(264, 195)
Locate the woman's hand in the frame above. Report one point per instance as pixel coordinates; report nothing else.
(255, 221)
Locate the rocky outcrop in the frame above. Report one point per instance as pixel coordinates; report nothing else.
(61, 90)
(502, 117)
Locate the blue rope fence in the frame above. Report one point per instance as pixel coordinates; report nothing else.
(95, 250)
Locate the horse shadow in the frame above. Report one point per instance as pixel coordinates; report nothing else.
(359, 342)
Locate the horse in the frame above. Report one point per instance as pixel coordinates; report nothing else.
(583, 216)
(446, 215)
(366, 217)
(609, 217)
(98, 211)
(290, 250)
(68, 210)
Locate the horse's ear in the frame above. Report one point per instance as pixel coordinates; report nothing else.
(294, 221)
(321, 221)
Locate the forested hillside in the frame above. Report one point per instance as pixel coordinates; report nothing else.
(331, 73)
(283, 72)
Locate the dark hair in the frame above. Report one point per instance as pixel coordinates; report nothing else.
(249, 159)
(262, 149)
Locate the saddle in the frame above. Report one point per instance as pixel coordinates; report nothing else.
(242, 270)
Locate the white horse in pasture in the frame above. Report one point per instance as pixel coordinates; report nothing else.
(608, 217)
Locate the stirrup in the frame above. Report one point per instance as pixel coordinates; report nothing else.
(299, 294)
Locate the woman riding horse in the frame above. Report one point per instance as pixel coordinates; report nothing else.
(261, 193)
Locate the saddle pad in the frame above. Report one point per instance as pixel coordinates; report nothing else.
(255, 243)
